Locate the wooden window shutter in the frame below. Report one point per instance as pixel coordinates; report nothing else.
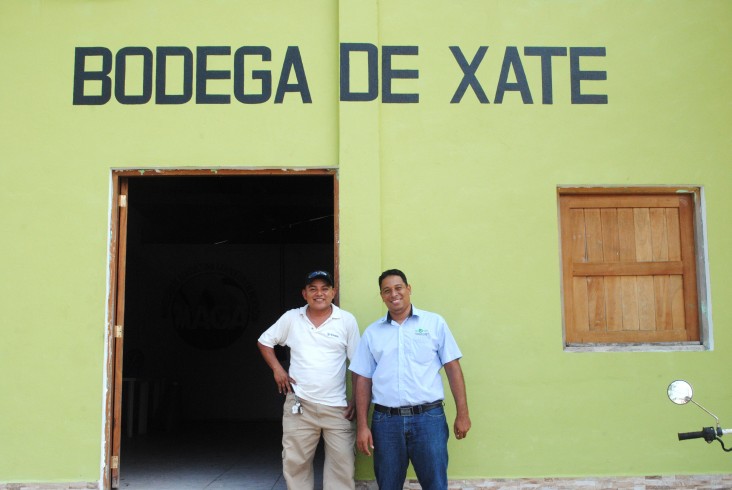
(628, 268)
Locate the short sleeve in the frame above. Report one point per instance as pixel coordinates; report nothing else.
(363, 362)
(448, 350)
(278, 332)
(353, 336)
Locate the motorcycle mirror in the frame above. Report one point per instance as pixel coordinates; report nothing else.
(680, 392)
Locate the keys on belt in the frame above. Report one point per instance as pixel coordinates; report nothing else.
(297, 407)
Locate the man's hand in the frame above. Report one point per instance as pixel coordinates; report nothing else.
(462, 426)
(284, 381)
(350, 410)
(364, 441)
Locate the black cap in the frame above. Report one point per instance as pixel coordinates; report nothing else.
(325, 276)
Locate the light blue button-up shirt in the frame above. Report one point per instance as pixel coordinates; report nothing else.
(404, 361)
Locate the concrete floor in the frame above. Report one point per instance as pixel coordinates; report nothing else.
(208, 456)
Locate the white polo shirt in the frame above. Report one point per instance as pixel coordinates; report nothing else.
(317, 354)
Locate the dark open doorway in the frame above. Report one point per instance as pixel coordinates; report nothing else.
(211, 262)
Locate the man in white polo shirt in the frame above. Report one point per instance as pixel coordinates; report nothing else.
(321, 337)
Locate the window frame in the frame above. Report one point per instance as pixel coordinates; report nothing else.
(703, 310)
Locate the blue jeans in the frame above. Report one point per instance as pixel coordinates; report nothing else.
(420, 438)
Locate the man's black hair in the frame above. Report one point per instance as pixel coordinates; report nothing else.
(393, 272)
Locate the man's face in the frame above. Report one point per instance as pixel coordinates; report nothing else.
(396, 295)
(319, 295)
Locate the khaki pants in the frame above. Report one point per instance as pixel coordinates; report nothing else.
(300, 437)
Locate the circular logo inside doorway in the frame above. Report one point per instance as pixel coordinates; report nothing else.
(210, 306)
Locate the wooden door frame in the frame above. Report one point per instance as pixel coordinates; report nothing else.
(115, 300)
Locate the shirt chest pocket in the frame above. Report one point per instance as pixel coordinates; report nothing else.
(422, 349)
(331, 343)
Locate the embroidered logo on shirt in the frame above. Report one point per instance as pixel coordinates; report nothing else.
(421, 331)
(333, 335)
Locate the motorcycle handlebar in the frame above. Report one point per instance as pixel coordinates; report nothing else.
(683, 436)
(707, 433)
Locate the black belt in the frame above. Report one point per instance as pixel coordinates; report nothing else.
(406, 411)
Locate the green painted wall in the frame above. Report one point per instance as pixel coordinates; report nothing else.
(460, 196)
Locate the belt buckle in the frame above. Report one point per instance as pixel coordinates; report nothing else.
(405, 411)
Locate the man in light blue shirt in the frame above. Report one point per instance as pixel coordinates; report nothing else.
(397, 367)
